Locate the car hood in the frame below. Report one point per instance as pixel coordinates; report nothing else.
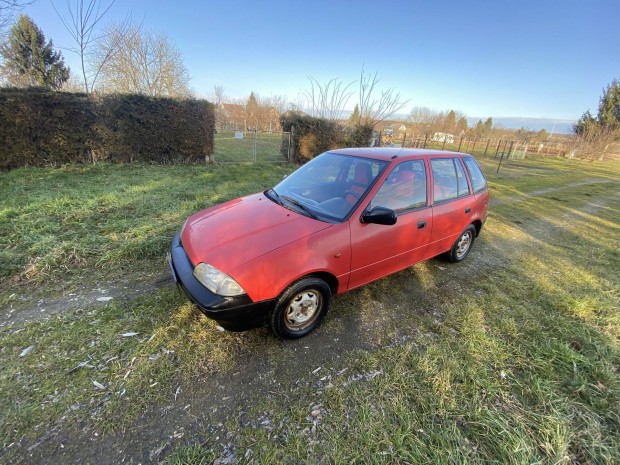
(230, 234)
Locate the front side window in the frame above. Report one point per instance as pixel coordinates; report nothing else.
(475, 174)
(404, 189)
(328, 187)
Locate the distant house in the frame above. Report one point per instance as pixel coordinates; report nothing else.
(232, 116)
(443, 137)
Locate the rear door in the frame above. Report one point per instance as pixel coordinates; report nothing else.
(379, 250)
(452, 203)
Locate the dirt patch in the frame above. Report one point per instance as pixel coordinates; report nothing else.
(23, 308)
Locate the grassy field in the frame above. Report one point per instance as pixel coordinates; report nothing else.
(260, 147)
(510, 357)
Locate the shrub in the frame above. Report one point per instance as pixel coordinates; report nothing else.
(162, 130)
(40, 128)
(312, 136)
(359, 137)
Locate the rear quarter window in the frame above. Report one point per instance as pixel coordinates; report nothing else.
(479, 183)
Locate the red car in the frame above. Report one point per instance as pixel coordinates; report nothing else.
(342, 220)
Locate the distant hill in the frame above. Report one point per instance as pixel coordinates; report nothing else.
(557, 126)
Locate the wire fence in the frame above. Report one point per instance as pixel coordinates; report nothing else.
(251, 147)
(479, 146)
(237, 146)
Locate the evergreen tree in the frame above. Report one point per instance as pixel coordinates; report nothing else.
(488, 124)
(478, 130)
(450, 122)
(354, 119)
(585, 124)
(461, 125)
(29, 60)
(251, 111)
(609, 106)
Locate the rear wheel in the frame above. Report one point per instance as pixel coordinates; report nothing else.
(462, 246)
(300, 308)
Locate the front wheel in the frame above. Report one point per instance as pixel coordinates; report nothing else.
(300, 308)
(461, 247)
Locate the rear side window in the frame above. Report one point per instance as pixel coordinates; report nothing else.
(477, 178)
(448, 179)
(463, 187)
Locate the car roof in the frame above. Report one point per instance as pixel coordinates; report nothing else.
(390, 153)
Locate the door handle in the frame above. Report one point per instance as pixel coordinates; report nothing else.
(467, 210)
(422, 225)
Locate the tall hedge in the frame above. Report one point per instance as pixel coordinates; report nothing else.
(162, 130)
(311, 136)
(40, 128)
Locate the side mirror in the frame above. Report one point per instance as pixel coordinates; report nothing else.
(379, 215)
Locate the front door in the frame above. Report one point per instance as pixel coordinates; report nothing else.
(378, 250)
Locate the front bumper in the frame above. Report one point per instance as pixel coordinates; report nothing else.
(237, 313)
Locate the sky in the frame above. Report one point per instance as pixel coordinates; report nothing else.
(500, 58)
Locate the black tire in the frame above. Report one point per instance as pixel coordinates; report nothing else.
(462, 246)
(300, 308)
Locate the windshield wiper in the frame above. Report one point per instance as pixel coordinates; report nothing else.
(274, 196)
(301, 205)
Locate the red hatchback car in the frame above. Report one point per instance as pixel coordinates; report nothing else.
(342, 220)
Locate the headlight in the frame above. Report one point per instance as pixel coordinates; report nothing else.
(216, 281)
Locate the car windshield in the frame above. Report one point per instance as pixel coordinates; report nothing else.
(328, 187)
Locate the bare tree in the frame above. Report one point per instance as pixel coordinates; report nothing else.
(217, 98)
(8, 8)
(426, 120)
(374, 110)
(217, 95)
(279, 102)
(142, 63)
(593, 141)
(82, 21)
(272, 107)
(327, 100)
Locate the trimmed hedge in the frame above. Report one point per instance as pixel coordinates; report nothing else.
(39, 127)
(311, 136)
(42, 128)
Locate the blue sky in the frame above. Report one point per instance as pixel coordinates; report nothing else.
(539, 59)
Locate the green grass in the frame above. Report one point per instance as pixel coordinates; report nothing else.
(513, 361)
(61, 226)
(229, 148)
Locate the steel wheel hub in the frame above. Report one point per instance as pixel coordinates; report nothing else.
(302, 308)
(463, 245)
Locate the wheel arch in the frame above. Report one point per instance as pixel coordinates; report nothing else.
(329, 278)
(326, 276)
(478, 225)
